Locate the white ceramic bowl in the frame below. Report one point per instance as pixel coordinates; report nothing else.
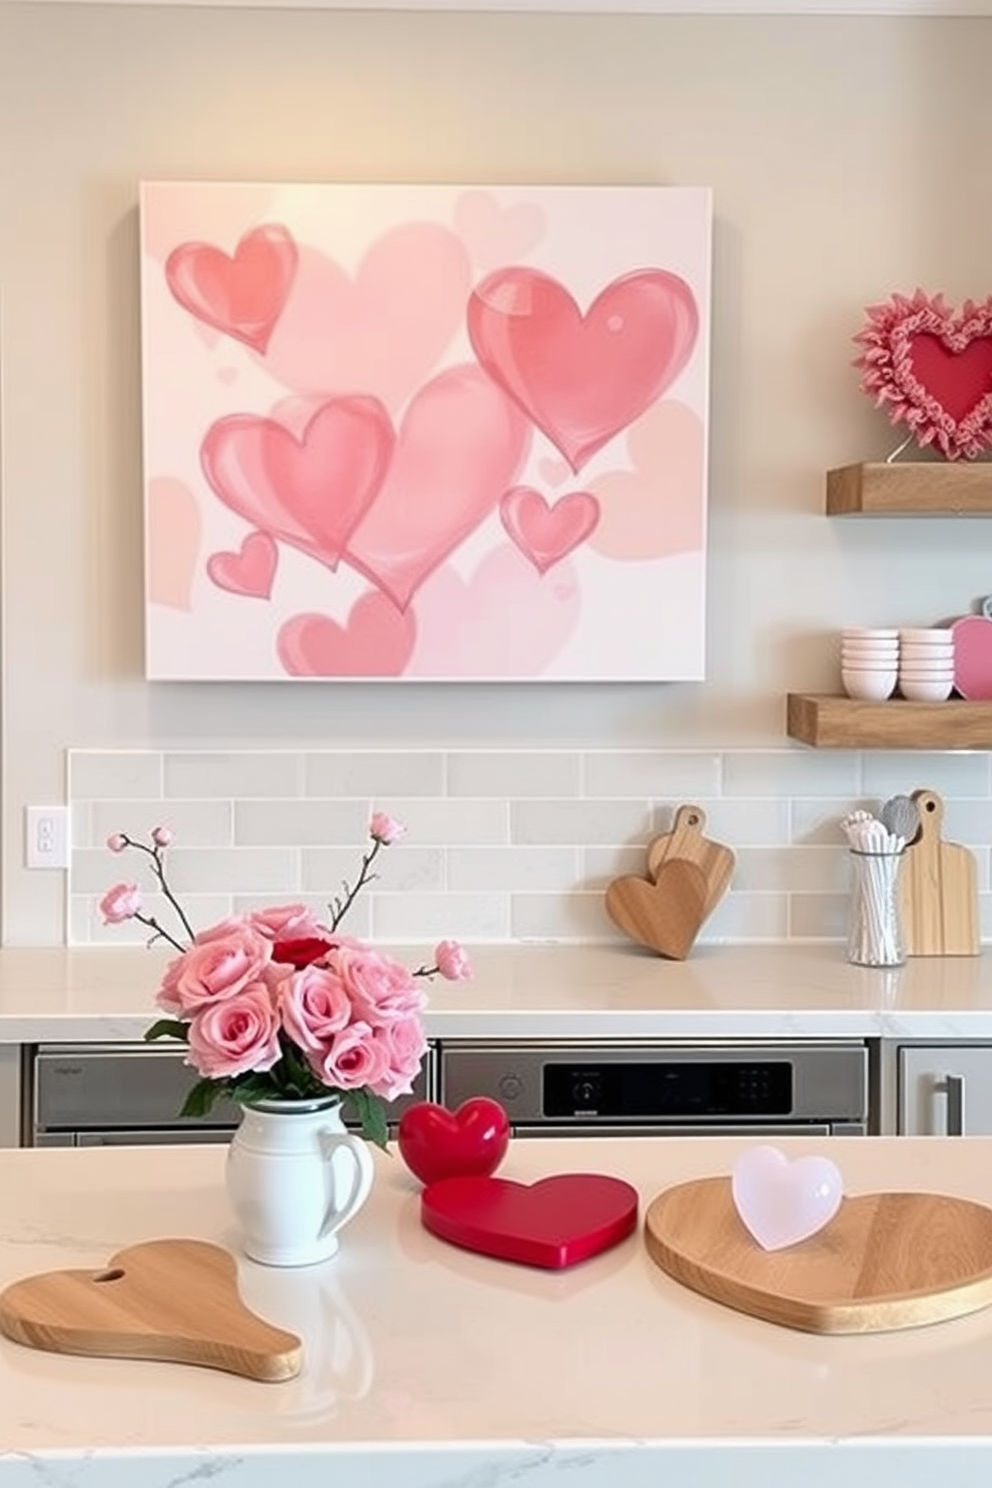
(869, 633)
(914, 651)
(920, 690)
(923, 637)
(869, 686)
(923, 670)
(869, 656)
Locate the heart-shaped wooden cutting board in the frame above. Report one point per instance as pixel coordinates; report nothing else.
(172, 1300)
(665, 915)
(885, 1261)
(553, 1223)
(686, 841)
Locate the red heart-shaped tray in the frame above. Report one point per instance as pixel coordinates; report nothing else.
(555, 1222)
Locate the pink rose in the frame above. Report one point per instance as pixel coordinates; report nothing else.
(120, 903)
(313, 1006)
(117, 842)
(405, 1046)
(235, 1036)
(354, 1058)
(161, 836)
(385, 828)
(167, 996)
(223, 928)
(216, 970)
(287, 922)
(380, 988)
(451, 960)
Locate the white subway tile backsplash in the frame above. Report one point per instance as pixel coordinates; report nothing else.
(193, 823)
(509, 868)
(374, 774)
(295, 823)
(579, 822)
(231, 776)
(427, 918)
(513, 773)
(889, 774)
(791, 772)
(515, 844)
(652, 775)
(115, 775)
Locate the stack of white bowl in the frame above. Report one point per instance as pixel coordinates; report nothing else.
(869, 661)
(926, 664)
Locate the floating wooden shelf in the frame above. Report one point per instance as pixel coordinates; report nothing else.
(844, 723)
(910, 489)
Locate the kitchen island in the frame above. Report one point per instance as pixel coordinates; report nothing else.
(430, 1367)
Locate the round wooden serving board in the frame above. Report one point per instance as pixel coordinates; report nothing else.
(885, 1261)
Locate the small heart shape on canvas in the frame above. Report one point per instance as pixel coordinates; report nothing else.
(931, 368)
(250, 571)
(242, 295)
(376, 641)
(545, 534)
(782, 1202)
(555, 1222)
(664, 915)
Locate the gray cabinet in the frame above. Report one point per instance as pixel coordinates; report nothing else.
(945, 1090)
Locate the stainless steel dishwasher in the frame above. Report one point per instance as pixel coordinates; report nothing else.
(114, 1095)
(699, 1088)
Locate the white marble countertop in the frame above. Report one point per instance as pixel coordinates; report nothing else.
(92, 994)
(430, 1367)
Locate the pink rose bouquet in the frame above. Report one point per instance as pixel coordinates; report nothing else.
(276, 1005)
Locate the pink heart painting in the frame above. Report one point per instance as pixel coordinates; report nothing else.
(460, 444)
(250, 571)
(583, 378)
(241, 295)
(546, 534)
(310, 491)
(932, 370)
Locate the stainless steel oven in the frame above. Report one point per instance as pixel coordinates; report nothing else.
(701, 1088)
(113, 1095)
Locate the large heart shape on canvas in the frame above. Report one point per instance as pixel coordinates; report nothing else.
(242, 295)
(932, 368)
(553, 1223)
(582, 378)
(782, 1202)
(437, 1143)
(310, 491)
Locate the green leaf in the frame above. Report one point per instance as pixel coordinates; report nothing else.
(372, 1115)
(201, 1097)
(168, 1028)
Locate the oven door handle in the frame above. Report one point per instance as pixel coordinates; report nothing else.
(605, 1129)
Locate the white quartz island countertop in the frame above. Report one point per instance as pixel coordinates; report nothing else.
(94, 994)
(430, 1367)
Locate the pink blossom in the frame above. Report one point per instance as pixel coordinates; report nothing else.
(385, 828)
(313, 1006)
(380, 988)
(451, 960)
(286, 922)
(161, 836)
(405, 1045)
(235, 1036)
(354, 1058)
(216, 970)
(120, 903)
(117, 842)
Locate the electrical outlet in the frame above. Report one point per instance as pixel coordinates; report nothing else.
(46, 836)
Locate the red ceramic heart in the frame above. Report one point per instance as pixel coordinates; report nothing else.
(437, 1143)
(932, 369)
(555, 1222)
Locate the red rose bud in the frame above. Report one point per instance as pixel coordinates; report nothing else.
(300, 953)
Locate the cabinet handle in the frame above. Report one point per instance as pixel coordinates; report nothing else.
(953, 1087)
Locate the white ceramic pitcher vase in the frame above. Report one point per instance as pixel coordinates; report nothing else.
(294, 1177)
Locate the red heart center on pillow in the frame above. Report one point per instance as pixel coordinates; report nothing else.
(555, 1222)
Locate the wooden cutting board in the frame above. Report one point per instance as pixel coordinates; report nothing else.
(885, 1261)
(664, 915)
(938, 892)
(171, 1300)
(686, 841)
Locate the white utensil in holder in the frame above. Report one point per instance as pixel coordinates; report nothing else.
(875, 937)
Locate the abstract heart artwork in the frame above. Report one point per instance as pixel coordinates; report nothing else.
(425, 433)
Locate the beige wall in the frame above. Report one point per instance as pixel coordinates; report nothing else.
(847, 157)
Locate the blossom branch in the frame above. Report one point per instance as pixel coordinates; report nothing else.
(161, 838)
(340, 907)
